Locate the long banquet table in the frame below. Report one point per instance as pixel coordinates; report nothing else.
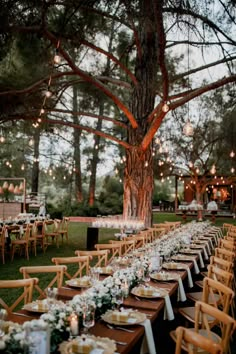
(153, 308)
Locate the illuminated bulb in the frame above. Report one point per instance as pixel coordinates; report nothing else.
(161, 174)
(213, 169)
(39, 120)
(57, 59)
(116, 171)
(232, 170)
(157, 141)
(231, 186)
(190, 164)
(221, 177)
(160, 150)
(120, 180)
(53, 177)
(186, 187)
(165, 107)
(2, 139)
(124, 158)
(153, 153)
(232, 154)
(10, 165)
(162, 180)
(22, 167)
(48, 93)
(171, 168)
(191, 146)
(31, 142)
(7, 163)
(215, 177)
(170, 181)
(64, 177)
(197, 170)
(42, 111)
(74, 169)
(146, 164)
(96, 147)
(168, 177)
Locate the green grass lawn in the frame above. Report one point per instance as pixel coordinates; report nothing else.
(77, 240)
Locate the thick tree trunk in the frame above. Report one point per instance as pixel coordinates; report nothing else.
(138, 178)
(138, 185)
(35, 169)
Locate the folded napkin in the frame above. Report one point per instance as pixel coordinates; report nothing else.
(195, 266)
(190, 280)
(181, 293)
(168, 310)
(148, 345)
(202, 265)
(205, 253)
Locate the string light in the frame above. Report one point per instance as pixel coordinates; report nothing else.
(232, 154)
(165, 107)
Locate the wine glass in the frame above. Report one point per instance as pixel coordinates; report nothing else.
(88, 316)
(117, 297)
(51, 296)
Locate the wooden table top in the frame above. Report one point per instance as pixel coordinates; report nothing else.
(151, 307)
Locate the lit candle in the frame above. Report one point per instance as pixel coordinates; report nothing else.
(126, 288)
(74, 325)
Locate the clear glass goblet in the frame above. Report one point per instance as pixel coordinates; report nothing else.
(88, 317)
(3, 316)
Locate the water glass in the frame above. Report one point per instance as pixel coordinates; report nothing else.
(117, 297)
(88, 316)
(51, 295)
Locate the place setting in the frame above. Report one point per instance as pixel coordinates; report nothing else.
(83, 282)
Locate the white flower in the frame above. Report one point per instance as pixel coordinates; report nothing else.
(2, 345)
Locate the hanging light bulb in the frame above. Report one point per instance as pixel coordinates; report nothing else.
(42, 111)
(232, 154)
(48, 93)
(197, 170)
(232, 170)
(190, 164)
(5, 185)
(165, 107)
(31, 142)
(22, 167)
(146, 164)
(57, 58)
(16, 190)
(157, 141)
(213, 169)
(2, 139)
(188, 128)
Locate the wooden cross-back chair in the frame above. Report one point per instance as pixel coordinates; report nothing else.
(217, 274)
(226, 323)
(127, 246)
(219, 263)
(24, 243)
(193, 342)
(228, 245)
(225, 254)
(51, 230)
(139, 240)
(54, 272)
(215, 294)
(202, 326)
(63, 229)
(226, 227)
(79, 265)
(114, 248)
(3, 242)
(38, 231)
(158, 232)
(100, 257)
(26, 285)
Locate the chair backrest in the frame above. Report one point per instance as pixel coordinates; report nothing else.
(220, 275)
(226, 323)
(51, 226)
(225, 254)
(226, 227)
(114, 248)
(221, 263)
(139, 240)
(101, 257)
(228, 245)
(56, 271)
(126, 246)
(65, 223)
(38, 228)
(27, 233)
(217, 294)
(79, 265)
(193, 341)
(27, 285)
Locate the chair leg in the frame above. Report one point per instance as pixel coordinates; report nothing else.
(27, 252)
(12, 252)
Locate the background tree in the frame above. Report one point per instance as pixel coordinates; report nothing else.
(155, 31)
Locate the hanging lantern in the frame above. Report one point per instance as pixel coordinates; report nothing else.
(57, 58)
(16, 190)
(5, 185)
(188, 129)
(11, 188)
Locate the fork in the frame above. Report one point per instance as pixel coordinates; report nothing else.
(120, 328)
